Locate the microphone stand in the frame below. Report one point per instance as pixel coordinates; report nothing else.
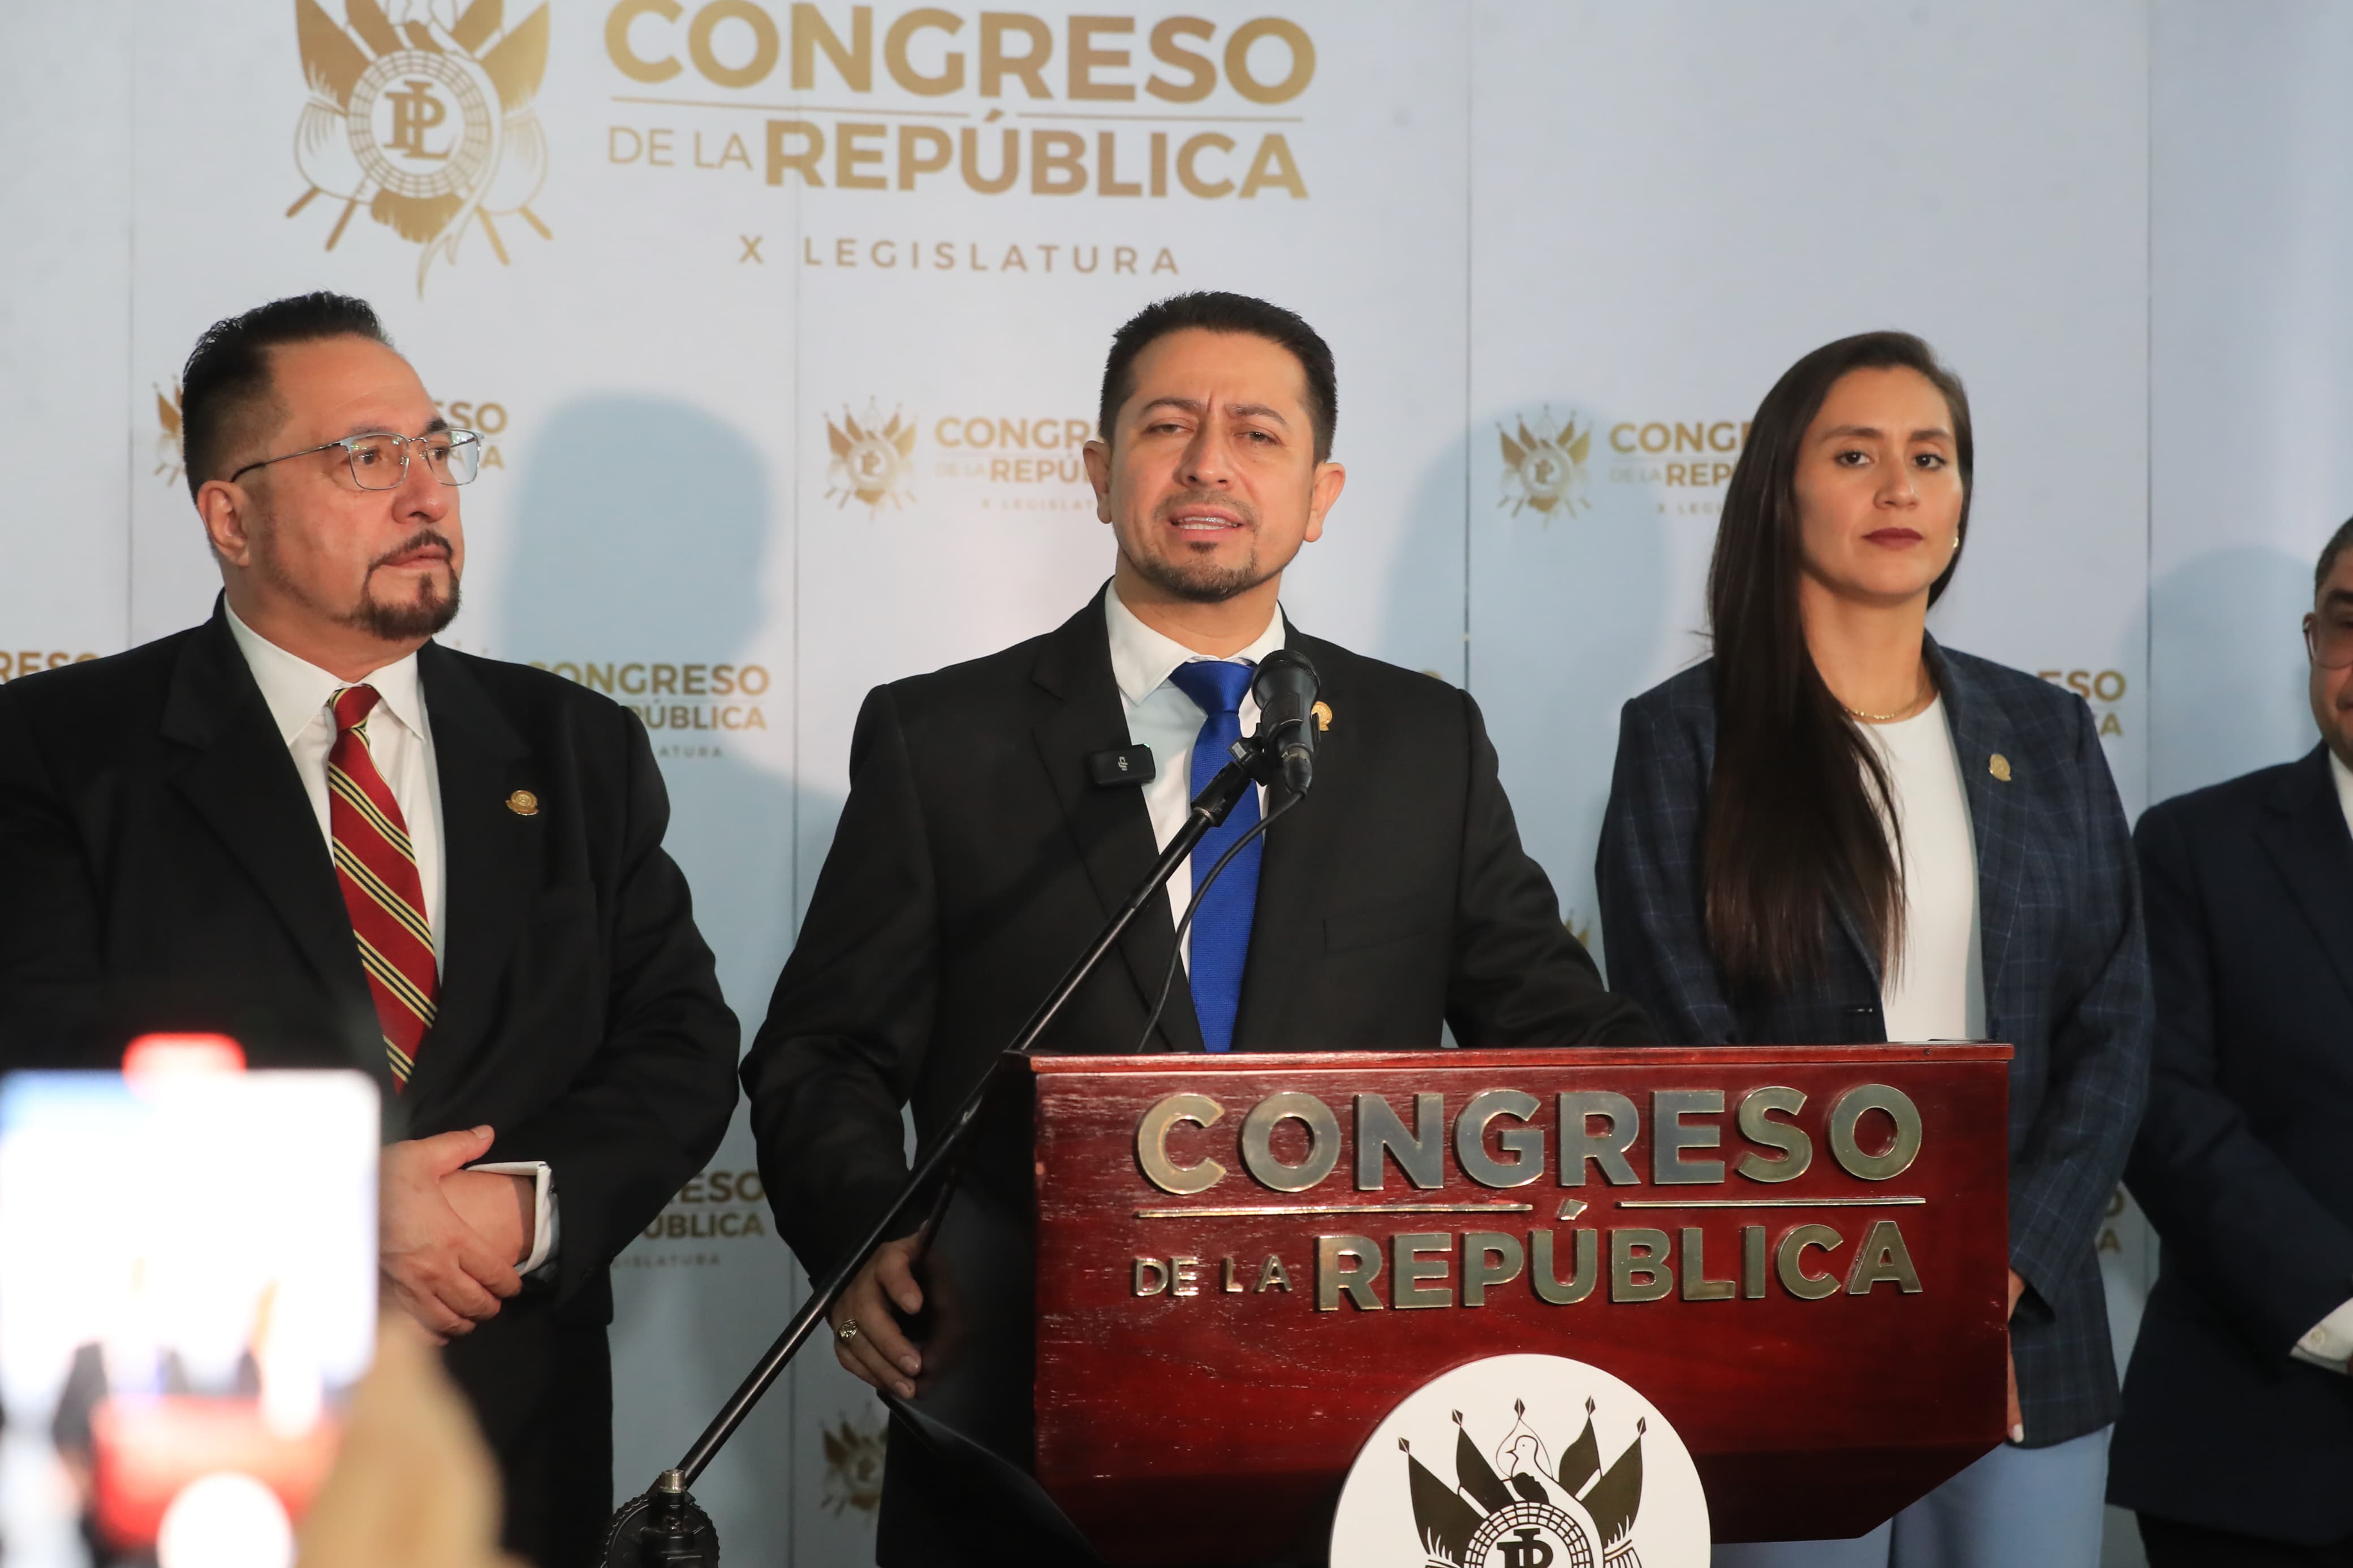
(663, 1527)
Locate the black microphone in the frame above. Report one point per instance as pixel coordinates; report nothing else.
(1285, 687)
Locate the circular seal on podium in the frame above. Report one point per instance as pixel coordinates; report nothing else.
(1522, 1461)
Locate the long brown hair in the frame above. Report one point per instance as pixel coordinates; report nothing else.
(1793, 827)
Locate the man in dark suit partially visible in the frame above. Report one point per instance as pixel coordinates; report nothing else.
(306, 825)
(2237, 1429)
(990, 831)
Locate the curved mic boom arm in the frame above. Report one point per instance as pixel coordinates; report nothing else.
(662, 1525)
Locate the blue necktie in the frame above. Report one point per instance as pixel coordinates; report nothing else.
(1221, 923)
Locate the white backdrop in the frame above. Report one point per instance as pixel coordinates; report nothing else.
(764, 441)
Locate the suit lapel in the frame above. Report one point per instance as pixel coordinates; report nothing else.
(1111, 826)
(1287, 927)
(238, 777)
(1982, 731)
(2302, 830)
(491, 856)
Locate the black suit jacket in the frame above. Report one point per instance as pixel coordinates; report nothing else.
(2066, 973)
(975, 861)
(2242, 1162)
(165, 870)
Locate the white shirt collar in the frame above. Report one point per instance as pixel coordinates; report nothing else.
(1141, 659)
(298, 691)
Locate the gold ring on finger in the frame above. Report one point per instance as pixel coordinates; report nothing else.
(848, 1331)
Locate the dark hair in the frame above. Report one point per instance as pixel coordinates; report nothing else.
(1220, 312)
(225, 390)
(1793, 831)
(2330, 551)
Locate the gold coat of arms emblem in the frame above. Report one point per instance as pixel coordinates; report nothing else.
(167, 437)
(426, 121)
(1543, 466)
(873, 461)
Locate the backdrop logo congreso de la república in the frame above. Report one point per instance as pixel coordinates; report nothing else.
(1522, 1461)
(426, 119)
(967, 459)
(704, 1223)
(1128, 114)
(1543, 466)
(1552, 468)
(874, 459)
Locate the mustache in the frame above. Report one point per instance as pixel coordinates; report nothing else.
(1239, 508)
(421, 539)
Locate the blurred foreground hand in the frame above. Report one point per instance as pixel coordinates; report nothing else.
(413, 1485)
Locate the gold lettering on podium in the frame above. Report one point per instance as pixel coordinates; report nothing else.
(1152, 1144)
(1639, 1265)
(1578, 1144)
(1421, 1154)
(1797, 1150)
(1323, 1142)
(1521, 1146)
(1670, 1136)
(1452, 1169)
(1697, 1286)
(1882, 1257)
(1790, 1259)
(1418, 1257)
(1585, 1266)
(1847, 1112)
(1346, 1264)
(1489, 1258)
(1752, 1262)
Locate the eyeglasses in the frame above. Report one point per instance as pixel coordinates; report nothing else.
(381, 462)
(2328, 641)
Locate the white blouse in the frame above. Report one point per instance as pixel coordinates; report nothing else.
(1935, 988)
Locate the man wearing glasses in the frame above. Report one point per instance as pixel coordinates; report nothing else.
(307, 826)
(2238, 1412)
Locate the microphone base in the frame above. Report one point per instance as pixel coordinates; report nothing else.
(663, 1528)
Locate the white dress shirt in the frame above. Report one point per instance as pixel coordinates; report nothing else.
(2329, 1342)
(1935, 988)
(300, 697)
(1159, 715)
(399, 741)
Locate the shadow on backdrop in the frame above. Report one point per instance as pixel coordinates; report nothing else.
(1570, 612)
(2226, 667)
(642, 534)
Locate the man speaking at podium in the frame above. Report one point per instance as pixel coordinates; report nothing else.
(1001, 810)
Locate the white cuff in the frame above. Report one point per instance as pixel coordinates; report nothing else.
(2329, 1342)
(543, 1207)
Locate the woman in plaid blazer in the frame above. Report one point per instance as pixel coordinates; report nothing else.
(1835, 831)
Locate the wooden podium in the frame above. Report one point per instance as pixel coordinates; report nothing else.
(1798, 1254)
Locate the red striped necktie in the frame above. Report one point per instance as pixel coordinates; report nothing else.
(376, 866)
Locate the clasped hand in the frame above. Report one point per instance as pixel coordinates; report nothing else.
(449, 1237)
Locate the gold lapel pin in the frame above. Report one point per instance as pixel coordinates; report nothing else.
(1322, 711)
(523, 803)
(1999, 767)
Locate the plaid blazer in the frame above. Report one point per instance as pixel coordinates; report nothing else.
(2066, 974)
